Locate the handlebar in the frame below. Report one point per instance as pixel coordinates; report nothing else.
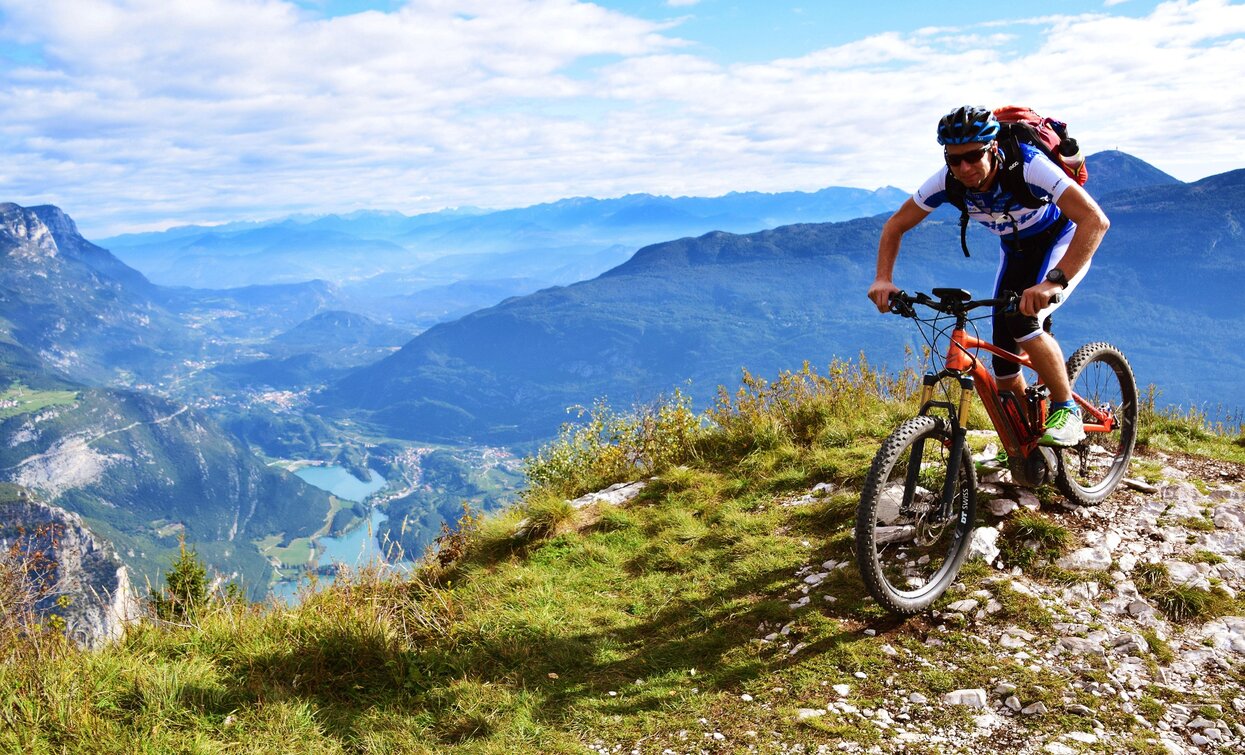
(954, 301)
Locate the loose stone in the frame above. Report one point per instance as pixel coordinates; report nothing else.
(973, 698)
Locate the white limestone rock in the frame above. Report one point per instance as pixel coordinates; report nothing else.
(1086, 559)
(972, 698)
(102, 600)
(984, 545)
(614, 495)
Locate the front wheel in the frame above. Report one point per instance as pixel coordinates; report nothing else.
(1089, 471)
(908, 546)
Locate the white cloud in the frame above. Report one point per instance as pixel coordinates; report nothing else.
(146, 112)
(681, 3)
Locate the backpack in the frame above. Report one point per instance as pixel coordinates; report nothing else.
(1022, 125)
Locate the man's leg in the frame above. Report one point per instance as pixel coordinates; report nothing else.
(1015, 332)
(1063, 424)
(1047, 359)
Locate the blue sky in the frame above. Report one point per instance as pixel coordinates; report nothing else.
(142, 114)
(757, 31)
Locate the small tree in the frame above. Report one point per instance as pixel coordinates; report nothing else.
(186, 590)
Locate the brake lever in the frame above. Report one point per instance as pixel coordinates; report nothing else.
(900, 305)
(1013, 303)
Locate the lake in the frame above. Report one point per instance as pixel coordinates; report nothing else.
(339, 482)
(355, 547)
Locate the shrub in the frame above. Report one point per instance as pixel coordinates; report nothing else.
(615, 447)
(805, 408)
(28, 617)
(454, 542)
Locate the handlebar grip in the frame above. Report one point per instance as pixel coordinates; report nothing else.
(1058, 297)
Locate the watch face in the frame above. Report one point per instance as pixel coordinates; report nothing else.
(1055, 275)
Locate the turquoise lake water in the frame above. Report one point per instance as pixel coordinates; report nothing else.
(339, 482)
(356, 547)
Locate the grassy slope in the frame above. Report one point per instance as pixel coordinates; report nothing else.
(642, 625)
(25, 400)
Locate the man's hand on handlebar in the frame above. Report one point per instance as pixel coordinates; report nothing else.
(1039, 297)
(881, 292)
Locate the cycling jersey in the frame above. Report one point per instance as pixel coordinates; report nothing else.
(995, 208)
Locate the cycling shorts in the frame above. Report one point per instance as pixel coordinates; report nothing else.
(1019, 270)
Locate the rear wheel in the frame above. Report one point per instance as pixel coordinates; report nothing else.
(1089, 471)
(909, 549)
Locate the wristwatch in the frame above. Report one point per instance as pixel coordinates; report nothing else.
(1055, 275)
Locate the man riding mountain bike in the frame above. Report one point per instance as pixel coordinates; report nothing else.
(1043, 251)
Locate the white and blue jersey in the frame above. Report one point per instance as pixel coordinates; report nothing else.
(996, 208)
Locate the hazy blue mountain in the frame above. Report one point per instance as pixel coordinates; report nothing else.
(376, 224)
(580, 234)
(617, 219)
(1113, 171)
(250, 312)
(1163, 287)
(415, 299)
(314, 352)
(337, 333)
(284, 253)
(435, 304)
(554, 265)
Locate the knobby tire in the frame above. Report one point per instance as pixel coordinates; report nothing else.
(1091, 470)
(906, 572)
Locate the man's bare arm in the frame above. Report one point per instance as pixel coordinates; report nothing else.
(905, 219)
(1091, 226)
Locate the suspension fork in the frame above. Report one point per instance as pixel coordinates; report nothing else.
(958, 436)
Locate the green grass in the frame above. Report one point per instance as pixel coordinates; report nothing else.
(1182, 602)
(19, 399)
(1148, 470)
(1206, 557)
(1159, 647)
(1197, 523)
(620, 625)
(1187, 431)
(1031, 539)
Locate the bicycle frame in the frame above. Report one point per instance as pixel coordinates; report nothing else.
(962, 362)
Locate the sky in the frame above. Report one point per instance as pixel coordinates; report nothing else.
(137, 115)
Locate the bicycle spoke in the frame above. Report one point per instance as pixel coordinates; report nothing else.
(1090, 470)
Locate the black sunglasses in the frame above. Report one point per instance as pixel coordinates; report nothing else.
(971, 157)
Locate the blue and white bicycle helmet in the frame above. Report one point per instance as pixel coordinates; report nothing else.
(965, 125)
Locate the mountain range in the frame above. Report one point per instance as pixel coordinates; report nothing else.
(78, 327)
(397, 268)
(702, 309)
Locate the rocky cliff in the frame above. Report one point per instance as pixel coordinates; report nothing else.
(74, 565)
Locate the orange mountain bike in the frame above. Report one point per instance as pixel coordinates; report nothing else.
(915, 517)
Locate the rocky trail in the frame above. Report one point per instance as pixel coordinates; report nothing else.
(1135, 640)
